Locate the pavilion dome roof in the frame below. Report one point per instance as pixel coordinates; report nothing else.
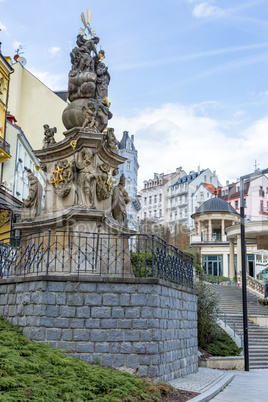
(215, 204)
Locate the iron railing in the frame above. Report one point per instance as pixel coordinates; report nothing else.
(106, 254)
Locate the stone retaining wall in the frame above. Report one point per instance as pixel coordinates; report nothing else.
(145, 326)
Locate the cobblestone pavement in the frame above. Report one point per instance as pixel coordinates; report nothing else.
(199, 382)
(247, 386)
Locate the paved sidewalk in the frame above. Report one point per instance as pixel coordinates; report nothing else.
(247, 386)
(206, 381)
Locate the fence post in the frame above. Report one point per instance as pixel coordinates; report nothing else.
(153, 255)
(48, 249)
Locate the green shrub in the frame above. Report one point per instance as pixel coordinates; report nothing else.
(223, 345)
(207, 314)
(32, 371)
(142, 264)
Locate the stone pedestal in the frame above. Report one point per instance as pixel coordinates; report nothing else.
(76, 230)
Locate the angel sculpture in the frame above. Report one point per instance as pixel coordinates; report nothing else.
(86, 23)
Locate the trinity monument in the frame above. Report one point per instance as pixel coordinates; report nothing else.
(81, 192)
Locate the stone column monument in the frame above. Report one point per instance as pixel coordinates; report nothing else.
(79, 193)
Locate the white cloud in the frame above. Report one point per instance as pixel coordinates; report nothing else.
(2, 26)
(54, 51)
(206, 10)
(174, 135)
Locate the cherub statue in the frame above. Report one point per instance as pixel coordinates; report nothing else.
(90, 120)
(49, 136)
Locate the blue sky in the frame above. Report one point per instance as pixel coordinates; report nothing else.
(188, 77)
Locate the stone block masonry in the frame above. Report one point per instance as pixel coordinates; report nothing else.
(147, 327)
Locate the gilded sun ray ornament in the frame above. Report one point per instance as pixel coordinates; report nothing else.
(86, 23)
(57, 176)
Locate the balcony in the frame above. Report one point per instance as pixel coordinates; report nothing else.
(4, 150)
(216, 238)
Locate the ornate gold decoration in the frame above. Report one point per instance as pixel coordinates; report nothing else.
(57, 176)
(86, 23)
(110, 180)
(37, 168)
(73, 144)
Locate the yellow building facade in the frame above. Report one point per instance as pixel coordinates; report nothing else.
(33, 104)
(5, 71)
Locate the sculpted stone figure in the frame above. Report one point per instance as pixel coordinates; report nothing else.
(111, 140)
(86, 177)
(119, 201)
(90, 124)
(103, 79)
(49, 136)
(64, 186)
(32, 206)
(88, 83)
(103, 185)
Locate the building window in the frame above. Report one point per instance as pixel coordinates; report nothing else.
(150, 199)
(245, 202)
(210, 180)
(145, 200)
(236, 204)
(205, 178)
(155, 213)
(155, 198)
(212, 264)
(144, 215)
(129, 166)
(170, 216)
(261, 206)
(150, 214)
(160, 197)
(160, 213)
(185, 212)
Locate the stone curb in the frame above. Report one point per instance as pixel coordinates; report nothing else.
(215, 389)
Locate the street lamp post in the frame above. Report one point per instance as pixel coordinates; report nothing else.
(243, 261)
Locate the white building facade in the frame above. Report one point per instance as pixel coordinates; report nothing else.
(14, 175)
(184, 196)
(130, 168)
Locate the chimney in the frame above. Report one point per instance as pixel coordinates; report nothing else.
(198, 169)
(227, 182)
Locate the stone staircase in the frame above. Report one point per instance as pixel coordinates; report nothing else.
(231, 304)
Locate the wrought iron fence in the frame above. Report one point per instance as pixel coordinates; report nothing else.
(106, 254)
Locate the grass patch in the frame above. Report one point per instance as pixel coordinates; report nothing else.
(223, 345)
(31, 371)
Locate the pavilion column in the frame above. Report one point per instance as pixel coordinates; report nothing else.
(209, 230)
(199, 228)
(239, 257)
(231, 260)
(222, 229)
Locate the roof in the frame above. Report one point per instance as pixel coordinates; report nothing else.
(211, 188)
(123, 143)
(215, 204)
